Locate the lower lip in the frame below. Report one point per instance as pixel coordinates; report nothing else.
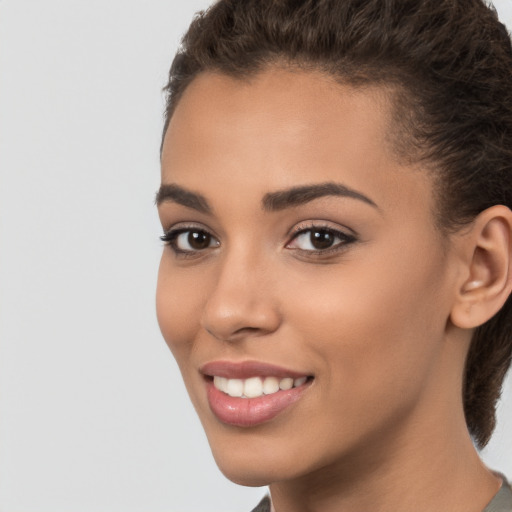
(249, 412)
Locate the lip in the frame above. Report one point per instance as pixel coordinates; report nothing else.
(249, 412)
(247, 369)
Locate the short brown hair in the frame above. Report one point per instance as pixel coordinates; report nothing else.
(450, 65)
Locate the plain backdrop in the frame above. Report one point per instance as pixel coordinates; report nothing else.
(93, 414)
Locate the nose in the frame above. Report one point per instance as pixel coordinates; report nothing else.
(242, 302)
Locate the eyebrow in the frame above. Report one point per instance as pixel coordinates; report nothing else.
(280, 200)
(176, 194)
(273, 201)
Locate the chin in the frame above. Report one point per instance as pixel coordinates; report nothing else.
(242, 469)
(248, 478)
(255, 464)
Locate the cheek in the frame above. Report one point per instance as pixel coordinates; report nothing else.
(376, 331)
(178, 308)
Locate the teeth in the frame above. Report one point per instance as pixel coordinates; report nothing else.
(270, 385)
(286, 383)
(235, 387)
(255, 387)
(221, 383)
(298, 382)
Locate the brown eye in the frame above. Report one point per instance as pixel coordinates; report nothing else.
(198, 240)
(190, 240)
(317, 240)
(321, 239)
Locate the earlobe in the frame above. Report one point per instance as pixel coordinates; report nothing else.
(487, 281)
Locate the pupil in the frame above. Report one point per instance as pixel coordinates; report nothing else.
(321, 239)
(199, 240)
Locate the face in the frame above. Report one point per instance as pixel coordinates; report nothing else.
(303, 289)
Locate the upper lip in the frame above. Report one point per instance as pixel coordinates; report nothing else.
(247, 369)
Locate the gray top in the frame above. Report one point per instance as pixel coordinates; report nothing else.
(502, 501)
(263, 505)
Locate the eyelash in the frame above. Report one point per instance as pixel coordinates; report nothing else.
(345, 239)
(171, 238)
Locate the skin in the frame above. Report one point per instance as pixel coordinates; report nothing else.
(381, 427)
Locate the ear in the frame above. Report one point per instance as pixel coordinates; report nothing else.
(486, 280)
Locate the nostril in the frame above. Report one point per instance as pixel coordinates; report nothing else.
(238, 334)
(230, 318)
(247, 330)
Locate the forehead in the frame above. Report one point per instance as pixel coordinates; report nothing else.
(299, 105)
(284, 128)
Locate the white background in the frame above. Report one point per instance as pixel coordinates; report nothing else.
(94, 416)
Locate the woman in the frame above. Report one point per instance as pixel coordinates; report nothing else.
(335, 199)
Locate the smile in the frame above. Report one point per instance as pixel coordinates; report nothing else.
(255, 387)
(248, 394)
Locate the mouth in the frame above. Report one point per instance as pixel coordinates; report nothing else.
(254, 387)
(248, 394)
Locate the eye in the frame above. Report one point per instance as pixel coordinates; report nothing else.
(319, 239)
(189, 240)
